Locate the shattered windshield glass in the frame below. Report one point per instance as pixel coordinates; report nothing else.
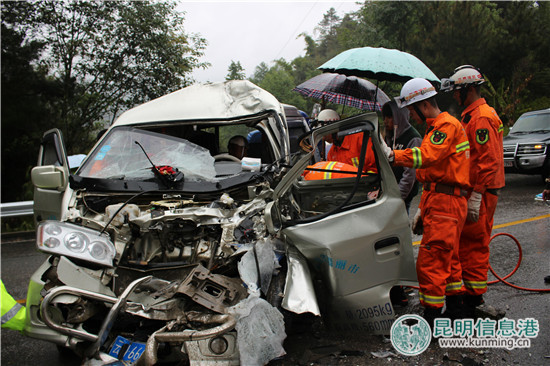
(120, 156)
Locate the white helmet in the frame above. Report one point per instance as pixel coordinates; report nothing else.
(463, 76)
(328, 115)
(414, 91)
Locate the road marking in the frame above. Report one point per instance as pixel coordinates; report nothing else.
(521, 221)
(509, 224)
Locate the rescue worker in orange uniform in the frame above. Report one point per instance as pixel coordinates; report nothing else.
(329, 170)
(347, 149)
(442, 166)
(485, 131)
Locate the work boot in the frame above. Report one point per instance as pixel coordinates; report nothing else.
(430, 314)
(398, 297)
(470, 302)
(453, 307)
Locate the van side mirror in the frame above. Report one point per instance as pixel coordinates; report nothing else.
(49, 177)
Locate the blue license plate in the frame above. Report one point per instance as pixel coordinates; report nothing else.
(133, 352)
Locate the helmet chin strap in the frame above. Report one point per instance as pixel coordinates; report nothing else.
(419, 112)
(463, 95)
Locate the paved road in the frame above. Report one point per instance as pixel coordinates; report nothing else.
(517, 213)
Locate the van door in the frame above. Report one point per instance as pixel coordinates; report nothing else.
(353, 232)
(50, 177)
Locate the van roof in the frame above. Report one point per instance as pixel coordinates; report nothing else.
(213, 101)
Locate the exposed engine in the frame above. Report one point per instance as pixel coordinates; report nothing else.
(173, 278)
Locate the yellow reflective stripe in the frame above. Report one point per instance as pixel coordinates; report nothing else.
(453, 286)
(475, 284)
(417, 157)
(328, 175)
(355, 162)
(435, 300)
(463, 146)
(500, 128)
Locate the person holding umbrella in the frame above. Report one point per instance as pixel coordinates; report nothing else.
(401, 134)
(442, 164)
(485, 131)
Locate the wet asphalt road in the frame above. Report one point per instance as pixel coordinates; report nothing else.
(517, 214)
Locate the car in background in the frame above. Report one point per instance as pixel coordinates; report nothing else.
(527, 145)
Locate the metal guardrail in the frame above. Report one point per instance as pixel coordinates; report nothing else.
(15, 209)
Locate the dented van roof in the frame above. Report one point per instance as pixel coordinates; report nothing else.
(213, 101)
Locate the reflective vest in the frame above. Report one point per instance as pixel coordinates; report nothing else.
(13, 313)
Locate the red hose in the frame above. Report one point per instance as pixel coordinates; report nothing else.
(503, 279)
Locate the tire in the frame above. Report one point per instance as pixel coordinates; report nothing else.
(546, 169)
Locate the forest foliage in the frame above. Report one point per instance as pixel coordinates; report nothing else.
(77, 65)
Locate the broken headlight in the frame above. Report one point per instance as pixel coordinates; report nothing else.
(75, 241)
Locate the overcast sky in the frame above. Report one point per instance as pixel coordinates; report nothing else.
(252, 32)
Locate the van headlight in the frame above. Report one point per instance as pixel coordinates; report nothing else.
(63, 238)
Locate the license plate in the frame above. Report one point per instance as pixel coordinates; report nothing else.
(508, 164)
(133, 352)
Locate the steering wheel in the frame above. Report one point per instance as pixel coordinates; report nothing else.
(227, 157)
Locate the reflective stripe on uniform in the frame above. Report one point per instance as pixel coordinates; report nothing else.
(417, 158)
(462, 146)
(500, 128)
(453, 286)
(475, 284)
(432, 300)
(355, 162)
(10, 314)
(328, 175)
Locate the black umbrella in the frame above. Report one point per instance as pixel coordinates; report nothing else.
(345, 90)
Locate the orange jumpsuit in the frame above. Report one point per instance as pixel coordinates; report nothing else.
(442, 165)
(484, 129)
(333, 166)
(348, 152)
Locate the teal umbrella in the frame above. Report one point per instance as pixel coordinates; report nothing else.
(380, 64)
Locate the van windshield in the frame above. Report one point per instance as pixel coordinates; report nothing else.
(120, 156)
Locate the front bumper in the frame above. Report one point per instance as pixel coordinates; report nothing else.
(46, 323)
(525, 164)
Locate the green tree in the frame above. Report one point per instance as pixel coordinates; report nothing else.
(235, 71)
(76, 65)
(109, 56)
(28, 103)
(279, 81)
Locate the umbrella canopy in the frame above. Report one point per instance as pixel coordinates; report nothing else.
(380, 64)
(345, 90)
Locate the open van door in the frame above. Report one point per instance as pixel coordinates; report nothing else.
(50, 177)
(354, 233)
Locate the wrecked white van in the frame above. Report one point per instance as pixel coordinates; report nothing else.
(165, 248)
